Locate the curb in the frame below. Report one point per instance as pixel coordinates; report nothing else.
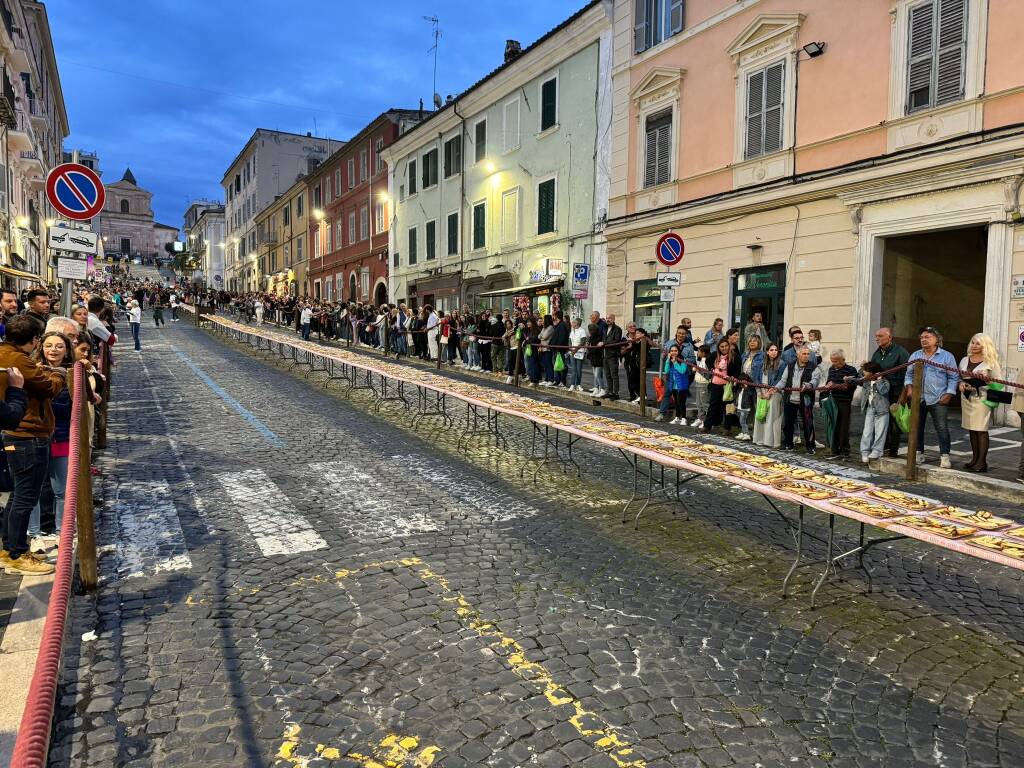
(1004, 490)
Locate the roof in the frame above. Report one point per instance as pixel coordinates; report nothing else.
(129, 177)
(164, 226)
(280, 133)
(495, 72)
(362, 134)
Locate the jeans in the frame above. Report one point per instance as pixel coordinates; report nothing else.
(305, 331)
(700, 394)
(876, 428)
(474, 354)
(58, 473)
(401, 345)
(547, 365)
(135, 334)
(679, 396)
(174, 313)
(789, 414)
(939, 414)
(611, 373)
(576, 370)
(599, 381)
(533, 367)
(28, 461)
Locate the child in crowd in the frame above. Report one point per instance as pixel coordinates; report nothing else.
(875, 404)
(700, 387)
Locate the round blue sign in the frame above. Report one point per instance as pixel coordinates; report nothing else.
(670, 249)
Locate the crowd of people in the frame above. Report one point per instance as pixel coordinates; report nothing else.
(734, 381)
(38, 350)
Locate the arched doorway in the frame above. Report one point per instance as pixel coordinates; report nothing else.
(352, 287)
(380, 294)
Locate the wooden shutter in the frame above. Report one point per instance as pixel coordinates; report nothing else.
(548, 104)
(641, 26)
(412, 245)
(676, 16)
(480, 141)
(431, 234)
(546, 207)
(479, 224)
(952, 51)
(755, 113)
(921, 55)
(658, 149)
(412, 177)
(774, 80)
(511, 125)
(453, 233)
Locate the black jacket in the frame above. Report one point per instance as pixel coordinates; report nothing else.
(12, 408)
(612, 335)
(837, 376)
(560, 337)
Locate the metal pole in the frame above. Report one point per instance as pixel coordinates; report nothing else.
(915, 420)
(84, 518)
(643, 376)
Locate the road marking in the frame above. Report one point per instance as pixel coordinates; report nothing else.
(275, 524)
(393, 751)
(601, 735)
(150, 539)
(218, 390)
(366, 493)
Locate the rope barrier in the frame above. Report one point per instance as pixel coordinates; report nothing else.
(33, 741)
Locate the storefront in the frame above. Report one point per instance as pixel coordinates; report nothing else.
(540, 297)
(760, 289)
(440, 292)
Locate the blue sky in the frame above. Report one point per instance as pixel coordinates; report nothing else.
(174, 88)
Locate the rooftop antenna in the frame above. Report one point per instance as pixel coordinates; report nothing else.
(436, 33)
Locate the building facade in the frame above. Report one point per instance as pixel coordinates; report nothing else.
(348, 197)
(126, 223)
(282, 237)
(204, 233)
(268, 165)
(34, 125)
(502, 191)
(835, 168)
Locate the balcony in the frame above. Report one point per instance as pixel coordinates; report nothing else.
(18, 58)
(37, 113)
(268, 238)
(20, 137)
(8, 102)
(31, 162)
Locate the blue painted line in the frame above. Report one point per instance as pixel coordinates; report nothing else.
(244, 412)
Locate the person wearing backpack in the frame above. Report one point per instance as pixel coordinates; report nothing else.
(677, 387)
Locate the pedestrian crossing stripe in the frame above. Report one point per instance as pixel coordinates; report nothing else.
(277, 527)
(150, 539)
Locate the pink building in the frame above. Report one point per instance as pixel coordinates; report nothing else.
(836, 165)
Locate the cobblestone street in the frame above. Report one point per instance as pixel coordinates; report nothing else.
(290, 579)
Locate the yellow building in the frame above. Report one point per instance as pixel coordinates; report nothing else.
(281, 257)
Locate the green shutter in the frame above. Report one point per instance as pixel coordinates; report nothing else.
(546, 207)
(479, 226)
(548, 104)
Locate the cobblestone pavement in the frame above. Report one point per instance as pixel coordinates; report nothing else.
(289, 579)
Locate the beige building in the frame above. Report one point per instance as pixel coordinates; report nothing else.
(282, 257)
(834, 167)
(126, 222)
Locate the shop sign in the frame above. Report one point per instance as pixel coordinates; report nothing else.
(1017, 287)
(668, 295)
(553, 267)
(580, 281)
(537, 276)
(521, 303)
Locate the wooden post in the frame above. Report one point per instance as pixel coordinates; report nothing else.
(915, 420)
(387, 336)
(643, 376)
(438, 337)
(519, 360)
(84, 518)
(101, 409)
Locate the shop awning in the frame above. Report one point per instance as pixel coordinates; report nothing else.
(20, 273)
(530, 289)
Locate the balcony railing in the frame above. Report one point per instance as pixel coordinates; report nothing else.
(268, 238)
(8, 100)
(37, 109)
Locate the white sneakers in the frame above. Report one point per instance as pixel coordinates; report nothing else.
(865, 458)
(743, 436)
(682, 422)
(659, 417)
(508, 379)
(697, 423)
(944, 461)
(635, 401)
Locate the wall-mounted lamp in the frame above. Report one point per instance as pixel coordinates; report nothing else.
(814, 50)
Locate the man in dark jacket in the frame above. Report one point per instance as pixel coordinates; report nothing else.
(37, 305)
(612, 350)
(559, 340)
(889, 355)
(631, 360)
(839, 376)
(27, 445)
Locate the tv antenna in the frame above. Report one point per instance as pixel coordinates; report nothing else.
(436, 34)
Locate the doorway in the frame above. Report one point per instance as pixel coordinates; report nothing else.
(381, 294)
(761, 289)
(935, 278)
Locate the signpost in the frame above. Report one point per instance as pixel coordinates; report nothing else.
(72, 269)
(669, 279)
(669, 252)
(670, 249)
(72, 240)
(580, 281)
(75, 192)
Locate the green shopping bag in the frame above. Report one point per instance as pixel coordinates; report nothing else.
(529, 350)
(996, 396)
(559, 362)
(901, 415)
(761, 414)
(727, 393)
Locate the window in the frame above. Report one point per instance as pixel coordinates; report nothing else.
(511, 127)
(546, 207)
(298, 248)
(327, 190)
(655, 21)
(412, 246)
(412, 177)
(124, 206)
(430, 168)
(936, 60)
(364, 223)
(299, 202)
(337, 182)
(378, 217)
(453, 234)
(273, 261)
(453, 156)
(430, 233)
(658, 149)
(317, 244)
(351, 172)
(287, 215)
(549, 104)
(351, 227)
(510, 216)
(480, 141)
(338, 236)
(364, 165)
(764, 110)
(479, 225)
(378, 160)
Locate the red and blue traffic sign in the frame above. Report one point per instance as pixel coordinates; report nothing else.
(75, 191)
(670, 249)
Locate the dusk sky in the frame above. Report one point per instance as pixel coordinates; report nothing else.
(174, 88)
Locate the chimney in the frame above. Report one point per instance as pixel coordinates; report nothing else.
(512, 50)
(421, 109)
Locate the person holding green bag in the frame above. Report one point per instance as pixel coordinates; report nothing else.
(724, 364)
(677, 387)
(981, 360)
(531, 352)
(768, 412)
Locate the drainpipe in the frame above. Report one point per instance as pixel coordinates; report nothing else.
(462, 196)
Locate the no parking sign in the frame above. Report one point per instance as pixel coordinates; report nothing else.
(670, 249)
(1020, 338)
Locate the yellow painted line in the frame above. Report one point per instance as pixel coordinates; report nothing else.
(393, 751)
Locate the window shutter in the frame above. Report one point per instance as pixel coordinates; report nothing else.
(676, 13)
(651, 158)
(952, 51)
(920, 58)
(658, 160)
(479, 235)
(775, 76)
(548, 104)
(453, 233)
(755, 111)
(546, 207)
(511, 125)
(431, 235)
(640, 26)
(412, 177)
(412, 246)
(481, 141)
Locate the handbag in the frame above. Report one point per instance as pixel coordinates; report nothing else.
(659, 388)
(858, 397)
(996, 395)
(761, 414)
(444, 341)
(529, 350)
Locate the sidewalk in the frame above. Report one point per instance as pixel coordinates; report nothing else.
(1003, 454)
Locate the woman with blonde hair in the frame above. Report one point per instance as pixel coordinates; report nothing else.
(981, 360)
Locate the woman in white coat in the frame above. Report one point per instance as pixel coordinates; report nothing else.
(769, 432)
(981, 360)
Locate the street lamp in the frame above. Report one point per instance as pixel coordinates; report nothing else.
(22, 221)
(318, 214)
